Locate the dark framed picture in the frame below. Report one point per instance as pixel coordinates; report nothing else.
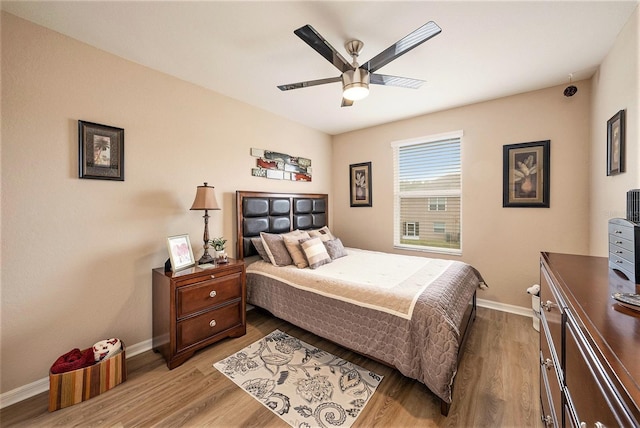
(525, 174)
(101, 151)
(360, 184)
(615, 144)
(180, 252)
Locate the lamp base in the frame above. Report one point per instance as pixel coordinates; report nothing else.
(206, 258)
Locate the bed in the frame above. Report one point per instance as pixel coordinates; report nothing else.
(411, 313)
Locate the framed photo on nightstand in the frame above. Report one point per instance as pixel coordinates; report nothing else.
(180, 252)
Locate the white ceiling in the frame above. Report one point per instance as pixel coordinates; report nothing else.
(244, 49)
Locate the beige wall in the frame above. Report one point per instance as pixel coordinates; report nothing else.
(615, 87)
(77, 254)
(503, 243)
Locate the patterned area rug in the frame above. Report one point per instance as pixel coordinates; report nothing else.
(304, 385)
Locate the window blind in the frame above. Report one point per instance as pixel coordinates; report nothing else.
(427, 193)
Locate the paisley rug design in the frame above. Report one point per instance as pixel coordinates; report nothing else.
(303, 385)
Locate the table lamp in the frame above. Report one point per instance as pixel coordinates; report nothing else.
(205, 200)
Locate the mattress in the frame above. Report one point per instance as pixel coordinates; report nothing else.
(405, 311)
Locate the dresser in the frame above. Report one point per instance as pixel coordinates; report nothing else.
(589, 345)
(624, 248)
(194, 308)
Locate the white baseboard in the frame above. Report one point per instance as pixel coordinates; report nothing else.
(42, 385)
(34, 388)
(503, 307)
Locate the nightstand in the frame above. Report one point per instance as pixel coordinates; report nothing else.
(194, 308)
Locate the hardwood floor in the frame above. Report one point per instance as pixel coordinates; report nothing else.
(496, 386)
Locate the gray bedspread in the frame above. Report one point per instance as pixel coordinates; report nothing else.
(424, 347)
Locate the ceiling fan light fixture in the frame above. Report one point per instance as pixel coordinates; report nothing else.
(355, 84)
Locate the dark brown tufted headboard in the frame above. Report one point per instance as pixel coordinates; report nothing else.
(276, 213)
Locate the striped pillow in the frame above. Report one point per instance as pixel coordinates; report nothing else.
(315, 252)
(292, 242)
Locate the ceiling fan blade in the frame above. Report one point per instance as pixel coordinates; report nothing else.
(309, 83)
(402, 46)
(311, 37)
(403, 82)
(346, 103)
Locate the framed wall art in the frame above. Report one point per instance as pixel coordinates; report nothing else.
(180, 252)
(615, 144)
(360, 184)
(101, 151)
(525, 174)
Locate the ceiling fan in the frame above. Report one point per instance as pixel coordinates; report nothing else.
(356, 78)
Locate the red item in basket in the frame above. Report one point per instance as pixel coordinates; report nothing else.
(73, 360)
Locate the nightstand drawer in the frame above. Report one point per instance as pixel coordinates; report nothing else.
(203, 327)
(203, 295)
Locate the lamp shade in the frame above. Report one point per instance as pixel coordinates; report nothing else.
(205, 199)
(355, 84)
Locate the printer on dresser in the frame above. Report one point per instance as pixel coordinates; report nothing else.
(589, 344)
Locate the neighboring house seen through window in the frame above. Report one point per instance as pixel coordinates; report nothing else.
(428, 190)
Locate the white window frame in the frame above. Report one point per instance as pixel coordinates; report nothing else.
(397, 195)
(437, 204)
(443, 229)
(405, 234)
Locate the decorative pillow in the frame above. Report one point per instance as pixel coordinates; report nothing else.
(257, 242)
(315, 252)
(335, 248)
(324, 234)
(275, 249)
(292, 242)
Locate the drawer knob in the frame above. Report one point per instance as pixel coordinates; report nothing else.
(619, 261)
(548, 421)
(213, 293)
(548, 305)
(600, 425)
(212, 323)
(213, 277)
(618, 252)
(617, 231)
(618, 242)
(548, 363)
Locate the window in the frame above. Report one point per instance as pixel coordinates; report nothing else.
(411, 230)
(428, 190)
(438, 204)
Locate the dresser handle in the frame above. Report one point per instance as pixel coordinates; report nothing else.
(212, 323)
(600, 425)
(548, 305)
(618, 242)
(213, 277)
(617, 231)
(213, 293)
(548, 363)
(618, 252)
(619, 261)
(548, 421)
(583, 425)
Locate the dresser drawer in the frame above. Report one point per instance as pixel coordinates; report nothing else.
(616, 262)
(207, 294)
(204, 326)
(551, 317)
(621, 242)
(621, 251)
(589, 391)
(622, 231)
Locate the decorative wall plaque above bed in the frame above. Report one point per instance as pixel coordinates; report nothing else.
(280, 166)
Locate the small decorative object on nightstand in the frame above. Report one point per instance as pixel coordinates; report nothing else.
(196, 307)
(205, 200)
